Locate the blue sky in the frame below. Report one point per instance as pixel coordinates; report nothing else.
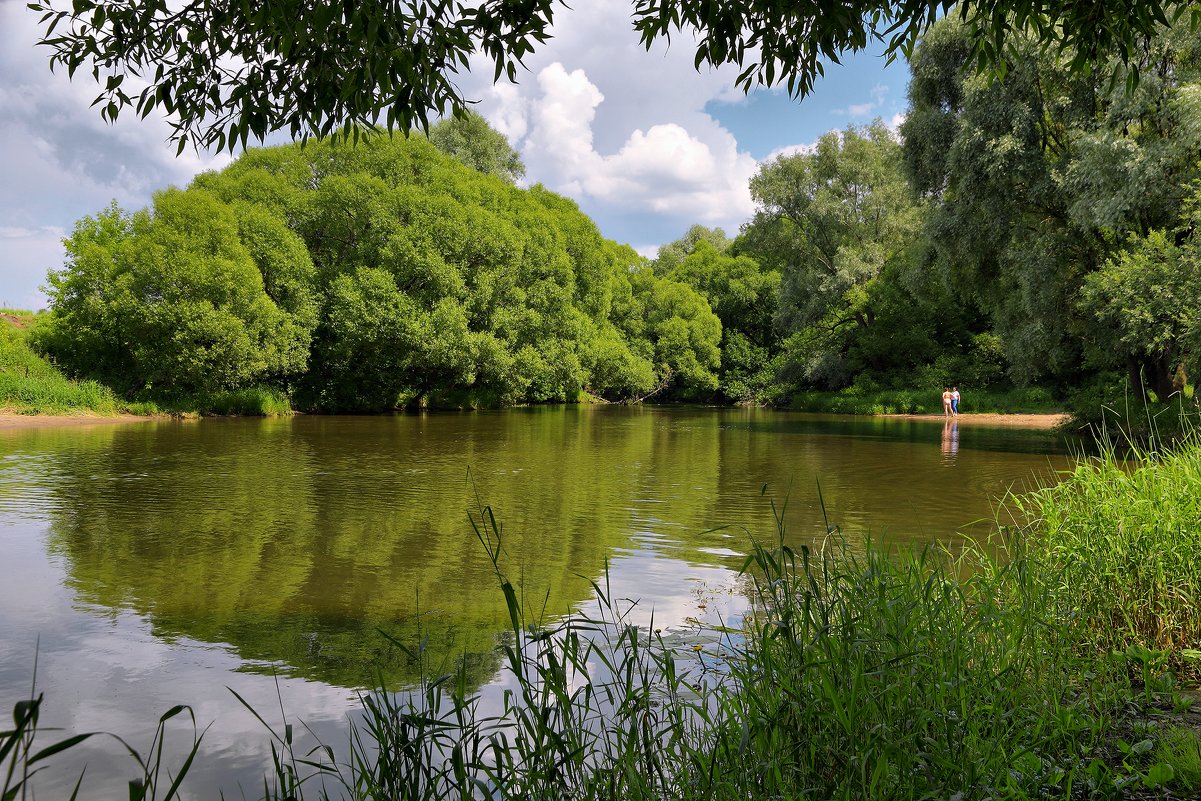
(643, 142)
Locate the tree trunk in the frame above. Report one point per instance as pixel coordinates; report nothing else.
(1134, 368)
(1162, 374)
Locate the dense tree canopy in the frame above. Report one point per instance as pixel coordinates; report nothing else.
(1035, 226)
(182, 300)
(744, 297)
(829, 222)
(1040, 180)
(228, 71)
(372, 277)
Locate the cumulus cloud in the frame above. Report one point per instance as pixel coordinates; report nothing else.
(662, 169)
(622, 130)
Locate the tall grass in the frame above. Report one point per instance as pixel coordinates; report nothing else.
(255, 401)
(31, 385)
(1128, 537)
(857, 675)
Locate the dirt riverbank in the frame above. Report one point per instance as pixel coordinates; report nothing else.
(10, 420)
(994, 420)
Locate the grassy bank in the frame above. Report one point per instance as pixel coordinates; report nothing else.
(30, 384)
(1052, 661)
(1031, 400)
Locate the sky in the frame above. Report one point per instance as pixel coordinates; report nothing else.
(646, 144)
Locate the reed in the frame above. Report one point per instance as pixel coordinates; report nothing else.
(1127, 535)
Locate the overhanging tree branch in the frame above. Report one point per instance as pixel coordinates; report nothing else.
(227, 70)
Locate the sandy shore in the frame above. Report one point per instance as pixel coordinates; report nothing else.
(9, 420)
(993, 420)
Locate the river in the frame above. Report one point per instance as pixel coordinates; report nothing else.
(151, 564)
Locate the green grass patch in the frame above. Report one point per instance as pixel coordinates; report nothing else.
(248, 402)
(1129, 545)
(1180, 747)
(29, 384)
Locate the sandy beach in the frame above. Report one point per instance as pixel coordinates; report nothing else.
(994, 420)
(9, 420)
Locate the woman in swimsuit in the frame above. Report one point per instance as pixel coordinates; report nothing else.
(946, 401)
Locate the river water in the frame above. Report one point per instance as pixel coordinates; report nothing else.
(150, 564)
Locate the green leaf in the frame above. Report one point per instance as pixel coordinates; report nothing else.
(1160, 774)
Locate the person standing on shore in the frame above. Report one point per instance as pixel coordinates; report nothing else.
(955, 401)
(946, 401)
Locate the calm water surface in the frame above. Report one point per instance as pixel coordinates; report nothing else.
(160, 563)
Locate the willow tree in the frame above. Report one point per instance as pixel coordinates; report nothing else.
(830, 221)
(1038, 180)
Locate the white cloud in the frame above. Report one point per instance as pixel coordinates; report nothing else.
(621, 130)
(879, 96)
(664, 169)
(804, 149)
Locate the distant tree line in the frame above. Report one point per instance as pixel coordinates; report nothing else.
(1039, 227)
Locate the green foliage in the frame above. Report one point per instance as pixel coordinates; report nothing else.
(1180, 747)
(1037, 179)
(31, 385)
(831, 223)
(1147, 304)
(744, 297)
(1130, 551)
(680, 327)
(226, 73)
(369, 278)
(864, 398)
(671, 254)
(470, 139)
(173, 302)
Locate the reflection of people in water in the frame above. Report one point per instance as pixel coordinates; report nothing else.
(950, 439)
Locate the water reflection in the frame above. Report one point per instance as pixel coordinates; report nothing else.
(161, 562)
(950, 441)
